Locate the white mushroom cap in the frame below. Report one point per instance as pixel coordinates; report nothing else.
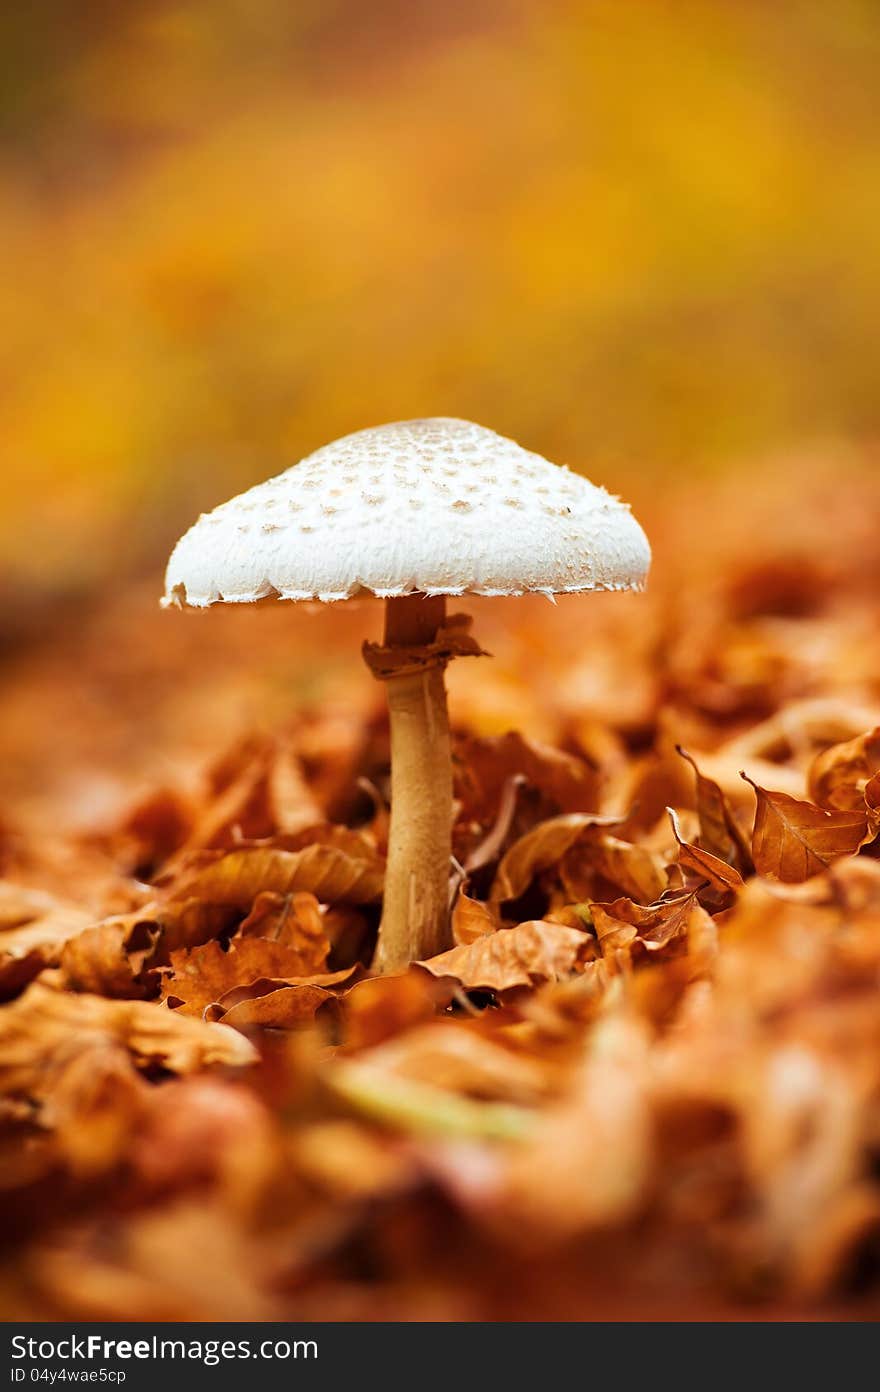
(440, 507)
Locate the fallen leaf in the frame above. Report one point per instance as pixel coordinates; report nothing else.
(703, 864)
(471, 919)
(33, 930)
(605, 860)
(323, 870)
(109, 959)
(720, 832)
(44, 1029)
(839, 776)
(294, 920)
(115, 956)
(655, 925)
(284, 1008)
(484, 766)
(383, 1006)
(793, 840)
(201, 976)
(541, 848)
(511, 957)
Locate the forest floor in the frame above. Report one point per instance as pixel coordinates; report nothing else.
(645, 1080)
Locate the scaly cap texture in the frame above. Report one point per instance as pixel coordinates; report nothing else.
(440, 507)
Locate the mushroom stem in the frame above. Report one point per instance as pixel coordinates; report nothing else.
(415, 914)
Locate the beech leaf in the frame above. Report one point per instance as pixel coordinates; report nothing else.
(510, 957)
(794, 840)
(703, 864)
(720, 832)
(329, 873)
(539, 849)
(839, 776)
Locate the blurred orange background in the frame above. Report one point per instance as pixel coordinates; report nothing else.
(639, 237)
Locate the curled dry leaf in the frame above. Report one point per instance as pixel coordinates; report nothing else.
(483, 767)
(511, 957)
(596, 863)
(471, 919)
(720, 832)
(110, 958)
(323, 870)
(624, 922)
(794, 840)
(45, 1029)
(384, 1006)
(702, 864)
(115, 957)
(293, 920)
(33, 930)
(285, 1007)
(839, 776)
(454, 1057)
(541, 848)
(201, 976)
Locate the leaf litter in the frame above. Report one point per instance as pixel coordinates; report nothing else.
(643, 1080)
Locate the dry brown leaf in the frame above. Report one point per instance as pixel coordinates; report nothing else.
(720, 832)
(705, 866)
(323, 870)
(114, 957)
(484, 766)
(511, 957)
(839, 776)
(257, 790)
(541, 848)
(294, 920)
(44, 1030)
(606, 861)
(33, 930)
(284, 1008)
(622, 923)
(793, 840)
(471, 919)
(384, 1006)
(110, 958)
(201, 976)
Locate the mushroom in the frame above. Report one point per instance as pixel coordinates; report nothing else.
(413, 512)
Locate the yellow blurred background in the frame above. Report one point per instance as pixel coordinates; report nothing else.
(639, 236)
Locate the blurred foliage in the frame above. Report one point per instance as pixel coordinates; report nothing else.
(640, 237)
